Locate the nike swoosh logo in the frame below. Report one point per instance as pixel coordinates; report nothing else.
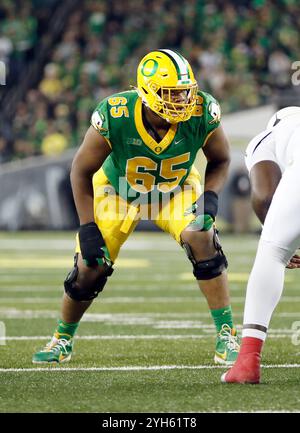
(225, 312)
(176, 142)
(222, 355)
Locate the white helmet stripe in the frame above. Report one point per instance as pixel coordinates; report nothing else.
(179, 61)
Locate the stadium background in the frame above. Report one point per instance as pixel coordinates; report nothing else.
(61, 58)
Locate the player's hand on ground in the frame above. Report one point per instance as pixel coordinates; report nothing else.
(294, 263)
(91, 243)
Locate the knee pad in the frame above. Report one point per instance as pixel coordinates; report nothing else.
(89, 288)
(209, 268)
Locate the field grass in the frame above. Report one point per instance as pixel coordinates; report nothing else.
(147, 342)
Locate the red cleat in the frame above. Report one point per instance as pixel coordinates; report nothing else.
(247, 366)
(245, 370)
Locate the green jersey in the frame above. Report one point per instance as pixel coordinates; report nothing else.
(138, 164)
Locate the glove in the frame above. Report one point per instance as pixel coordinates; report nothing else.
(206, 211)
(91, 244)
(201, 223)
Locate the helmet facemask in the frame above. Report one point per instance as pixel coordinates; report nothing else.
(177, 103)
(170, 96)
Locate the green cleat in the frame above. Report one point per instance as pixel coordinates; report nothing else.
(227, 346)
(57, 350)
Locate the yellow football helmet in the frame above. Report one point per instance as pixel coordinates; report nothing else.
(166, 84)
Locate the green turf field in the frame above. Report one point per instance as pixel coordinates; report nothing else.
(146, 344)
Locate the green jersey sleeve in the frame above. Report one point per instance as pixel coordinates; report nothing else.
(100, 119)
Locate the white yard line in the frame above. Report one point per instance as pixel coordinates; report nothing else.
(107, 337)
(132, 244)
(16, 313)
(134, 368)
(167, 321)
(134, 300)
(57, 289)
(132, 337)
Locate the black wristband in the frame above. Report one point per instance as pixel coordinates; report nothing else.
(208, 204)
(91, 242)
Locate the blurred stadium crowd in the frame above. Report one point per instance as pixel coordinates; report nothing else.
(240, 52)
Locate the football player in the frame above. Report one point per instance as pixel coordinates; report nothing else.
(139, 151)
(273, 160)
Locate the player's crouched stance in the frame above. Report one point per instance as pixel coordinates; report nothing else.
(150, 137)
(83, 284)
(91, 269)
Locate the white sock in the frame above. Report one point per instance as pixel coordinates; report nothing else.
(264, 289)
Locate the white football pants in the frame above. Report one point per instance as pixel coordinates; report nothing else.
(279, 240)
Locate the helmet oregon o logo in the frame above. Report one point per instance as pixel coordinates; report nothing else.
(150, 70)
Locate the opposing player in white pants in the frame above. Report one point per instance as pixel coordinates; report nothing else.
(273, 161)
